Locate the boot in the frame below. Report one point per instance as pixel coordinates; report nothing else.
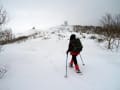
(71, 64)
(77, 69)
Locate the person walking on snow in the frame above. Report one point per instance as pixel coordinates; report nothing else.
(75, 47)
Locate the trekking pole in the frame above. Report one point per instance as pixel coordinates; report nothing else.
(66, 66)
(82, 60)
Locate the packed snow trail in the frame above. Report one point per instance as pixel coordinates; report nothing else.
(40, 64)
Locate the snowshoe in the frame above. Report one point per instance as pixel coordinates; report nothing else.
(78, 71)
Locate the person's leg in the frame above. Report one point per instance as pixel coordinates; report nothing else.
(71, 63)
(75, 62)
(74, 59)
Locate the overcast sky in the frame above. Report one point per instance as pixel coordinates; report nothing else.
(24, 14)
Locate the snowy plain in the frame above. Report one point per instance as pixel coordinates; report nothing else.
(39, 64)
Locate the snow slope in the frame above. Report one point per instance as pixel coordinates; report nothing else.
(39, 64)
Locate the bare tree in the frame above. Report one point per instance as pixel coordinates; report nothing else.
(111, 29)
(117, 25)
(3, 16)
(2, 20)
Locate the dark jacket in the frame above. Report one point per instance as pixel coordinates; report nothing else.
(73, 47)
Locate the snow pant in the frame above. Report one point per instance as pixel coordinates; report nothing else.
(74, 60)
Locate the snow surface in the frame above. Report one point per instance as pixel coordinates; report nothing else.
(39, 64)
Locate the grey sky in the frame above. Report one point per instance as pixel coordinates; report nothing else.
(24, 14)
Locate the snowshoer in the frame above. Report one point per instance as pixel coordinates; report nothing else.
(75, 47)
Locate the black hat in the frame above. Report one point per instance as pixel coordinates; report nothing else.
(72, 37)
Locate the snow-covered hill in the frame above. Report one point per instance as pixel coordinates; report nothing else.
(40, 64)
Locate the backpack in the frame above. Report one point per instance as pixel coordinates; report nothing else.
(76, 45)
